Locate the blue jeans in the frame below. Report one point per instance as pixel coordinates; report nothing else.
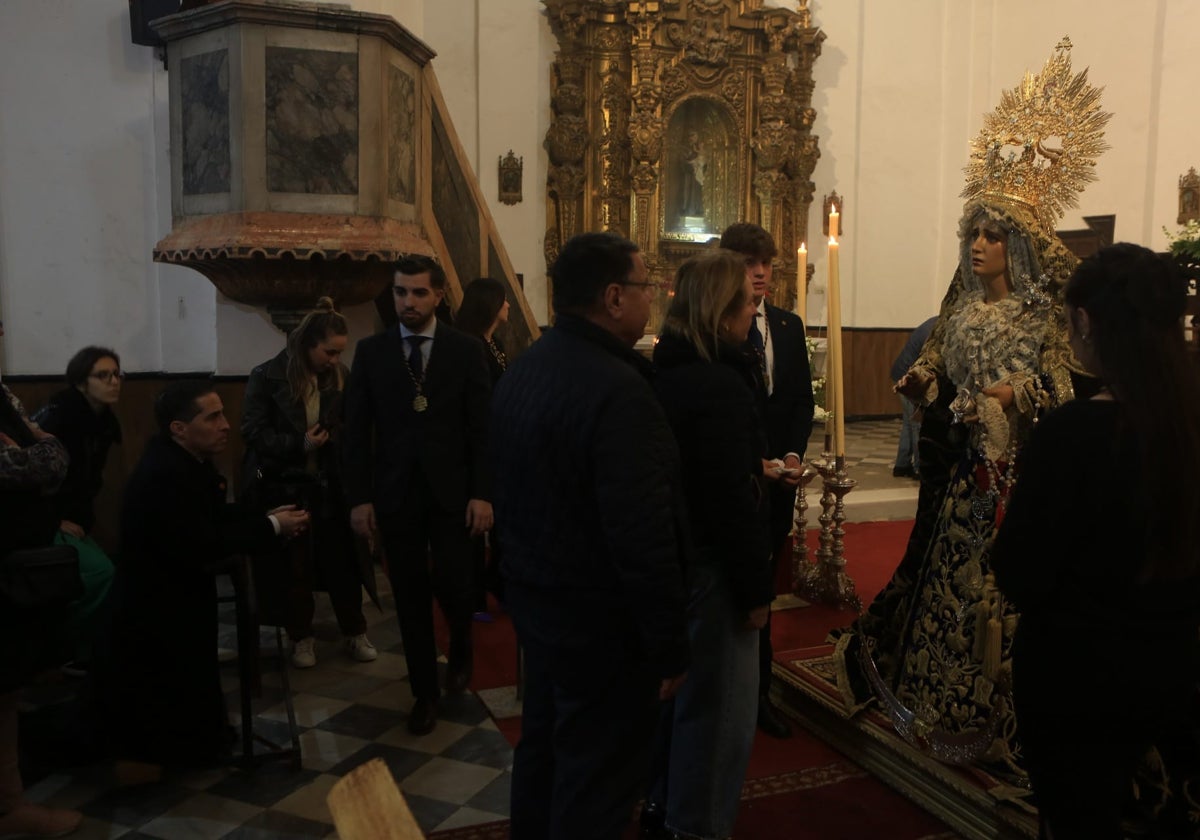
(910, 433)
(705, 735)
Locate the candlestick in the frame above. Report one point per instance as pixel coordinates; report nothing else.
(834, 230)
(802, 282)
(834, 377)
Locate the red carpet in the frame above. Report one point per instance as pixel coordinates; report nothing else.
(796, 788)
(873, 550)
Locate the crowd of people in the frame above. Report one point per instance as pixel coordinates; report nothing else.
(634, 509)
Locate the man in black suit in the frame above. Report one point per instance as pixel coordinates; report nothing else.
(157, 684)
(786, 401)
(415, 437)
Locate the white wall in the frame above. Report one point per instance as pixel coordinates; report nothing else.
(82, 160)
(901, 90)
(495, 78)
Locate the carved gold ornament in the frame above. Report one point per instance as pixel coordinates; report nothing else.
(1038, 149)
(672, 119)
(1189, 197)
(511, 169)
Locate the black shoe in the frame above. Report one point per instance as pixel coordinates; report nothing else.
(653, 822)
(903, 472)
(458, 673)
(423, 717)
(770, 721)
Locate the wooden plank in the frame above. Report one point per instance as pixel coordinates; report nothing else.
(366, 804)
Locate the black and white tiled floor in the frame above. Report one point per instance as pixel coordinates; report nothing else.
(351, 712)
(348, 713)
(870, 455)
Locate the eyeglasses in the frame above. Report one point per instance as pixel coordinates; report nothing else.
(107, 376)
(649, 284)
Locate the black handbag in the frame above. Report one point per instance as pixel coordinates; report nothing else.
(34, 578)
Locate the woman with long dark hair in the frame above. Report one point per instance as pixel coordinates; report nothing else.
(291, 424)
(1105, 655)
(82, 417)
(484, 310)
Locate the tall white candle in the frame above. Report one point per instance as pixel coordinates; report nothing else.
(802, 282)
(834, 380)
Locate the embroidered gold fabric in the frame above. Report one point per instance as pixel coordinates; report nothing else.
(939, 636)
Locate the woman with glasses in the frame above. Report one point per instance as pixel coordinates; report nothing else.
(291, 424)
(705, 385)
(82, 417)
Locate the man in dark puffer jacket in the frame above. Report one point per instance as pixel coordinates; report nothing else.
(590, 521)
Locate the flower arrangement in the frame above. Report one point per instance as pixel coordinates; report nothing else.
(1184, 245)
(818, 383)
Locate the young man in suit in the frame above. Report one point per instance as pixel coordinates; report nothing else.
(416, 472)
(786, 401)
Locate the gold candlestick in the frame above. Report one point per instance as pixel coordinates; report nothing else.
(808, 576)
(826, 581)
(801, 567)
(837, 584)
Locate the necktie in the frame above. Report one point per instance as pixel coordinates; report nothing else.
(416, 362)
(755, 337)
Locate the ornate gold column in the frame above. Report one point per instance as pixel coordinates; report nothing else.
(686, 116)
(566, 142)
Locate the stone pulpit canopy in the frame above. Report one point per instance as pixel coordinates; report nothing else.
(310, 149)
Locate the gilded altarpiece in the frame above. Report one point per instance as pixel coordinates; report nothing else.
(672, 119)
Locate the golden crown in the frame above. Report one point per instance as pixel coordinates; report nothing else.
(1038, 149)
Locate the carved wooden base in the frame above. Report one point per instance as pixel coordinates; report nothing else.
(951, 794)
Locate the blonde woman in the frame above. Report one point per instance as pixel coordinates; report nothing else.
(291, 425)
(705, 385)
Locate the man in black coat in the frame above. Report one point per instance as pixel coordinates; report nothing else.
(588, 502)
(415, 442)
(158, 682)
(777, 339)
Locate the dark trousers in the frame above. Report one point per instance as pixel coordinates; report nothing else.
(410, 537)
(590, 709)
(783, 505)
(323, 557)
(1081, 754)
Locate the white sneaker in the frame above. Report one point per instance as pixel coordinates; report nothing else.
(360, 649)
(303, 655)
